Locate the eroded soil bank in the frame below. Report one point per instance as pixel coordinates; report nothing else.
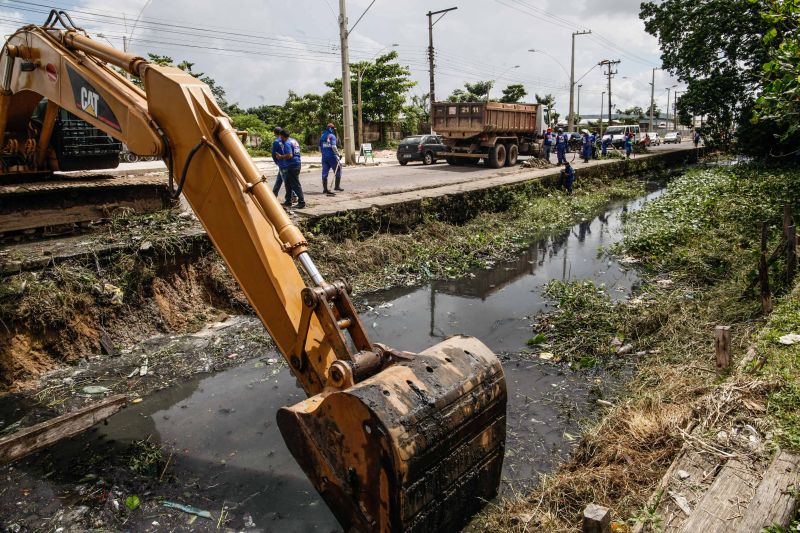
(211, 442)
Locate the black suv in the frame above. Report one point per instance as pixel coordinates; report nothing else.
(423, 148)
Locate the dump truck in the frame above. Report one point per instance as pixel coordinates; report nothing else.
(496, 132)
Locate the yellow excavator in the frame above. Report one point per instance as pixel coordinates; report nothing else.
(393, 441)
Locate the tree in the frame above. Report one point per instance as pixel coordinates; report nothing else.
(252, 124)
(635, 111)
(472, 92)
(716, 47)
(306, 116)
(656, 110)
(550, 101)
(415, 114)
(384, 88)
(514, 93)
(778, 106)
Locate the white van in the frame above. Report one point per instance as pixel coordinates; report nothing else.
(618, 134)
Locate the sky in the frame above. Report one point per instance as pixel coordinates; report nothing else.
(259, 50)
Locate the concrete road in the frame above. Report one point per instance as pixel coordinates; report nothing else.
(366, 182)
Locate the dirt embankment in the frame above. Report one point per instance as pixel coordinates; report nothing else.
(66, 313)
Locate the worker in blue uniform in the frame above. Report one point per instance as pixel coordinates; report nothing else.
(330, 159)
(548, 143)
(568, 177)
(561, 146)
(586, 145)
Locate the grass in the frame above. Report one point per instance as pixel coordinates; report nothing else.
(438, 249)
(697, 247)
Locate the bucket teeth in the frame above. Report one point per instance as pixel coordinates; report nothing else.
(418, 447)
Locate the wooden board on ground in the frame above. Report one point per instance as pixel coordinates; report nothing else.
(697, 494)
(34, 438)
(775, 501)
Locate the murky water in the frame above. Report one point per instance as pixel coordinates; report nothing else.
(228, 450)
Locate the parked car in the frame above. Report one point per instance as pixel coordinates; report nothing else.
(425, 148)
(672, 137)
(651, 138)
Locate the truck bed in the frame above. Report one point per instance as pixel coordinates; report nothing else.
(468, 119)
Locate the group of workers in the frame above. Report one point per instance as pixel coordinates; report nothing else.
(588, 140)
(286, 154)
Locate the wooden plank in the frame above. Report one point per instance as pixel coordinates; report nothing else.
(34, 438)
(689, 475)
(722, 345)
(720, 510)
(775, 500)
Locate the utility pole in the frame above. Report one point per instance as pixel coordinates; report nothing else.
(347, 107)
(669, 90)
(602, 99)
(431, 65)
(652, 98)
(608, 63)
(571, 118)
(579, 100)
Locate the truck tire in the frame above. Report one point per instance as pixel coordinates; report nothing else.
(497, 156)
(513, 155)
(452, 161)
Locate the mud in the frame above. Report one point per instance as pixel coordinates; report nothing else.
(216, 442)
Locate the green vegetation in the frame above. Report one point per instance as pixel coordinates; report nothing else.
(741, 63)
(697, 247)
(503, 223)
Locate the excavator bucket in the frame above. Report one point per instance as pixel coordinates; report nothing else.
(417, 447)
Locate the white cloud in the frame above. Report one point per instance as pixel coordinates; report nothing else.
(258, 50)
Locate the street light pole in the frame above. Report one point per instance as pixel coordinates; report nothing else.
(431, 65)
(571, 119)
(652, 98)
(669, 89)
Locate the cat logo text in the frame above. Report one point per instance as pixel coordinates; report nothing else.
(89, 101)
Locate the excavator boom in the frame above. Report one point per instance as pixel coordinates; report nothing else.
(392, 441)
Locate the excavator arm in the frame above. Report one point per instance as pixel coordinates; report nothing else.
(392, 441)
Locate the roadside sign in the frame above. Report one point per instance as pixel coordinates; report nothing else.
(366, 152)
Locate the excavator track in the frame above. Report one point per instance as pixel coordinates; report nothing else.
(60, 202)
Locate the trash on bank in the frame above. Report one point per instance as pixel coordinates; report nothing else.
(187, 509)
(788, 340)
(95, 389)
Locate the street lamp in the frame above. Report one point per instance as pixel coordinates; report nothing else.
(537, 51)
(497, 78)
(669, 89)
(360, 77)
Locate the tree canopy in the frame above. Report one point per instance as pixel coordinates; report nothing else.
(514, 93)
(472, 92)
(717, 47)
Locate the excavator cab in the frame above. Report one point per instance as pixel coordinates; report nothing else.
(393, 441)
